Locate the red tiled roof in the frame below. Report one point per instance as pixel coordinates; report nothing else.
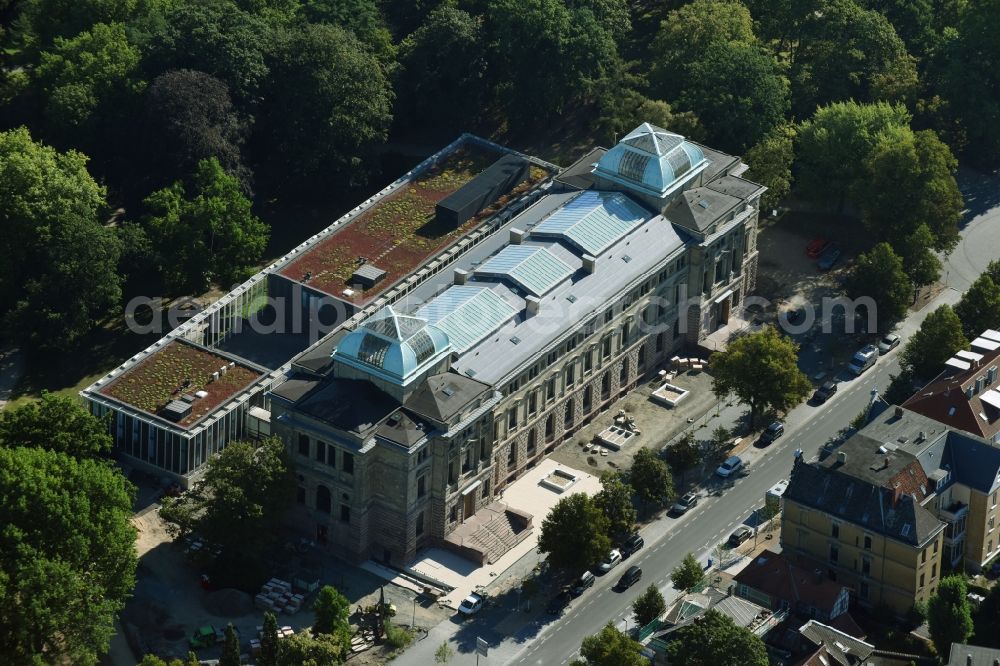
(772, 574)
(945, 401)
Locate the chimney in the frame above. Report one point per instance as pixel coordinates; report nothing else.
(841, 457)
(589, 263)
(461, 276)
(885, 463)
(533, 302)
(899, 412)
(516, 236)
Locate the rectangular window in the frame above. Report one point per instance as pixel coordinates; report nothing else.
(304, 445)
(868, 543)
(512, 418)
(453, 513)
(570, 375)
(421, 486)
(551, 358)
(923, 556)
(550, 389)
(486, 488)
(866, 566)
(348, 462)
(934, 570)
(921, 581)
(422, 455)
(935, 547)
(420, 523)
(320, 451)
(835, 530)
(993, 498)
(331, 456)
(606, 347)
(834, 553)
(863, 590)
(533, 403)
(588, 362)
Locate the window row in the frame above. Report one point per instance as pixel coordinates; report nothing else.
(327, 454)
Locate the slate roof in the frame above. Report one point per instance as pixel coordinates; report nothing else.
(403, 429)
(295, 388)
(350, 405)
(699, 208)
(841, 648)
(980, 656)
(441, 396)
(772, 574)
(579, 174)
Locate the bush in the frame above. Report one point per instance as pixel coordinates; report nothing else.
(397, 637)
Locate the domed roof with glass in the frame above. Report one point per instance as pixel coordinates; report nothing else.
(393, 346)
(651, 160)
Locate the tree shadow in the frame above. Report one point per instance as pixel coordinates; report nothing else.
(980, 190)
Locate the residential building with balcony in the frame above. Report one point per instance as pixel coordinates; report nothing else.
(899, 502)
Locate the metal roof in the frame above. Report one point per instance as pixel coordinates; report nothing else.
(593, 221)
(532, 267)
(652, 160)
(467, 314)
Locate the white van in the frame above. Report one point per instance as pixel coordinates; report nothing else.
(772, 498)
(863, 359)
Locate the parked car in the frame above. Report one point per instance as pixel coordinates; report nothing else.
(740, 535)
(629, 578)
(203, 637)
(772, 432)
(816, 247)
(728, 468)
(863, 359)
(610, 562)
(681, 506)
(888, 343)
(559, 603)
(585, 580)
(634, 543)
(824, 392)
(828, 259)
(471, 605)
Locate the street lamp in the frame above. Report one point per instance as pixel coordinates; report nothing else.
(413, 620)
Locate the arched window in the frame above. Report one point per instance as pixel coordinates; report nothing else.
(531, 441)
(323, 499)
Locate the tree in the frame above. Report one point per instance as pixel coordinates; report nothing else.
(937, 339)
(627, 110)
(333, 611)
(40, 22)
(949, 616)
(442, 63)
(832, 147)
(575, 534)
(688, 574)
(685, 453)
(57, 423)
(231, 648)
(847, 52)
(57, 262)
(879, 275)
(95, 70)
(360, 17)
(738, 93)
(979, 307)
(239, 501)
(579, 53)
(269, 641)
(915, 167)
(651, 478)
(67, 555)
(715, 640)
(761, 370)
(615, 501)
(304, 648)
(648, 606)
(322, 140)
(914, 21)
(611, 647)
(444, 653)
(188, 117)
(212, 235)
(689, 32)
(919, 261)
(770, 162)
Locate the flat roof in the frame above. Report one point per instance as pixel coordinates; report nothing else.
(177, 369)
(398, 232)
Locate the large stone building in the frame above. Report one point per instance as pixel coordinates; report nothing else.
(897, 504)
(438, 401)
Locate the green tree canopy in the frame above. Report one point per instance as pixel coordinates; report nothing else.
(93, 71)
(761, 369)
(211, 235)
(67, 555)
(847, 52)
(918, 168)
(269, 641)
(651, 478)
(442, 63)
(688, 573)
(738, 93)
(770, 162)
(832, 147)
(360, 17)
(949, 616)
(40, 22)
(688, 33)
(322, 139)
(648, 606)
(979, 307)
(625, 111)
(611, 647)
(715, 640)
(615, 500)
(304, 649)
(58, 264)
(939, 337)
(57, 423)
(915, 21)
(879, 275)
(333, 611)
(239, 501)
(575, 534)
(919, 261)
(230, 648)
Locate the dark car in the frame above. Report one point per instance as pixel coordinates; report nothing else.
(824, 392)
(629, 578)
(772, 432)
(559, 603)
(740, 535)
(681, 506)
(828, 259)
(634, 543)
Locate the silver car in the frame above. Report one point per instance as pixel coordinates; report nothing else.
(888, 343)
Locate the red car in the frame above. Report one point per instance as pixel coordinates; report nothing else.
(816, 247)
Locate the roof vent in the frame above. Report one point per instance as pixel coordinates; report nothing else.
(899, 412)
(589, 263)
(841, 457)
(448, 391)
(461, 276)
(516, 236)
